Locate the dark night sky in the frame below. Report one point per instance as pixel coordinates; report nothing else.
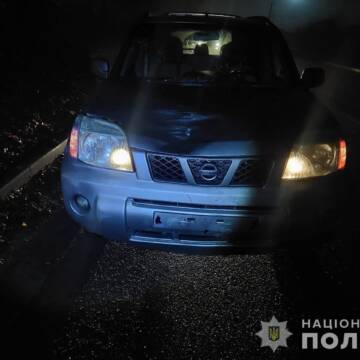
(290, 14)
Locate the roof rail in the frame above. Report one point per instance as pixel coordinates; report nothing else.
(203, 14)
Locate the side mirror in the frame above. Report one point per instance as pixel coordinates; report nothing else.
(100, 68)
(313, 77)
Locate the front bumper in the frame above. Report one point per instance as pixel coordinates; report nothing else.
(132, 207)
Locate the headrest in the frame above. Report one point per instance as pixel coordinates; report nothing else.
(201, 50)
(234, 52)
(172, 50)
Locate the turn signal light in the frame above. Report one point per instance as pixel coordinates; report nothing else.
(73, 143)
(342, 154)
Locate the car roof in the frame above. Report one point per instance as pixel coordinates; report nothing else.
(206, 18)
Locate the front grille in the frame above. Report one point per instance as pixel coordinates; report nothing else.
(215, 172)
(166, 168)
(251, 172)
(209, 172)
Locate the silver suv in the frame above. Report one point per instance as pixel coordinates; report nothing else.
(204, 148)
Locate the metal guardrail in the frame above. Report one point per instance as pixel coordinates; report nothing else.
(31, 170)
(343, 67)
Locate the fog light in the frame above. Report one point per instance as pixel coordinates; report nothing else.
(82, 202)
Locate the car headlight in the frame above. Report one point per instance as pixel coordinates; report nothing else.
(100, 143)
(308, 161)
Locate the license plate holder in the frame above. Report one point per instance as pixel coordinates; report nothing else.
(209, 224)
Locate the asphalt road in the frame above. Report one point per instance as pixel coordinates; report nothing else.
(103, 300)
(71, 295)
(170, 305)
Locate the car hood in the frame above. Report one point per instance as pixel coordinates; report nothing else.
(210, 120)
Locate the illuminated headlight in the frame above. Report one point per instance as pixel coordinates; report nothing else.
(315, 160)
(102, 143)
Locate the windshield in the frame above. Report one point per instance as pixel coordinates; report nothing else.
(201, 53)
